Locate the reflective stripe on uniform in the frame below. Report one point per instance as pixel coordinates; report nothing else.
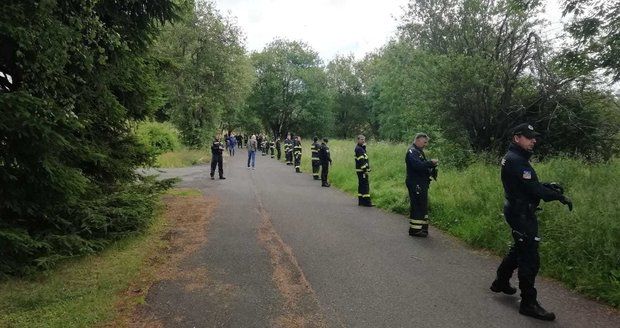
(418, 222)
(415, 226)
(359, 157)
(315, 159)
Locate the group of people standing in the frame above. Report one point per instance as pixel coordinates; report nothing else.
(522, 191)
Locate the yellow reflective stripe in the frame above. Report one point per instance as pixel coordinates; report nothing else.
(418, 221)
(416, 227)
(359, 170)
(315, 158)
(359, 157)
(366, 195)
(364, 166)
(296, 167)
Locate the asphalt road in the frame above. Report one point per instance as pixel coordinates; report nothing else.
(282, 251)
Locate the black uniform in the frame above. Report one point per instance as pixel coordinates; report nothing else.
(288, 151)
(217, 158)
(316, 164)
(325, 160)
(264, 149)
(297, 155)
(362, 167)
(278, 149)
(419, 172)
(523, 193)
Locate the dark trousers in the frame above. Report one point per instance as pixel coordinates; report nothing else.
(217, 161)
(315, 168)
(297, 161)
(272, 152)
(324, 172)
(523, 253)
(278, 153)
(289, 157)
(363, 189)
(418, 206)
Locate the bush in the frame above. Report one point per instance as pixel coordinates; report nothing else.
(159, 137)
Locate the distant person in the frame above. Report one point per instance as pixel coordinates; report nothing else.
(259, 142)
(316, 163)
(272, 148)
(297, 154)
(217, 158)
(252, 147)
(325, 161)
(419, 173)
(233, 143)
(288, 149)
(278, 148)
(523, 193)
(362, 167)
(239, 141)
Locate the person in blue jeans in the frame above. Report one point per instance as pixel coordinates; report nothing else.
(252, 146)
(232, 144)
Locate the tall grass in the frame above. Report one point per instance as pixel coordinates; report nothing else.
(183, 158)
(580, 248)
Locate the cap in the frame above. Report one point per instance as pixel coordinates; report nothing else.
(325, 140)
(526, 130)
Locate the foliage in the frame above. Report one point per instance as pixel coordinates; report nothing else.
(595, 28)
(290, 93)
(206, 72)
(581, 248)
(159, 137)
(79, 75)
(183, 158)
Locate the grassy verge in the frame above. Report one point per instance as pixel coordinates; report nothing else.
(91, 290)
(580, 248)
(184, 158)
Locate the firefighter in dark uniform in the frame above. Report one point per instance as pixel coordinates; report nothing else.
(419, 173)
(362, 167)
(316, 164)
(272, 148)
(523, 193)
(326, 160)
(297, 154)
(278, 148)
(217, 148)
(288, 149)
(264, 148)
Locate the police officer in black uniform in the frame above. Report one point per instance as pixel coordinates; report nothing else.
(362, 167)
(316, 164)
(523, 193)
(217, 148)
(419, 173)
(325, 160)
(297, 154)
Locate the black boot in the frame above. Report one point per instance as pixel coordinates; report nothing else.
(325, 184)
(417, 233)
(499, 287)
(534, 310)
(222, 178)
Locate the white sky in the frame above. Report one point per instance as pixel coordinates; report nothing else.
(330, 27)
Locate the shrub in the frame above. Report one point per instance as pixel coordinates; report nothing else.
(159, 137)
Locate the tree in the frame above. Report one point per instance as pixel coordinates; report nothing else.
(79, 75)
(349, 105)
(595, 29)
(290, 91)
(208, 75)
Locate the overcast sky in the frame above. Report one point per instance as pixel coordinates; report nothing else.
(330, 27)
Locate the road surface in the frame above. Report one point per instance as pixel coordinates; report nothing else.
(281, 251)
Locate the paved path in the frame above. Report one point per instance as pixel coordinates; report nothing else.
(282, 251)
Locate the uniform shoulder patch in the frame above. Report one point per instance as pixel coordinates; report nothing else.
(527, 175)
(410, 151)
(503, 162)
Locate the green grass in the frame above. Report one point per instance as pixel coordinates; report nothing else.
(85, 292)
(183, 158)
(580, 248)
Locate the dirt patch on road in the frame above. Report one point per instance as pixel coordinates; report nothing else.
(301, 307)
(187, 219)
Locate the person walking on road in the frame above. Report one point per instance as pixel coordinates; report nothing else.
(217, 160)
(325, 161)
(362, 167)
(232, 144)
(523, 193)
(252, 146)
(316, 163)
(297, 154)
(419, 173)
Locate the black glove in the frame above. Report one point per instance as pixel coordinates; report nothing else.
(434, 173)
(566, 201)
(554, 186)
